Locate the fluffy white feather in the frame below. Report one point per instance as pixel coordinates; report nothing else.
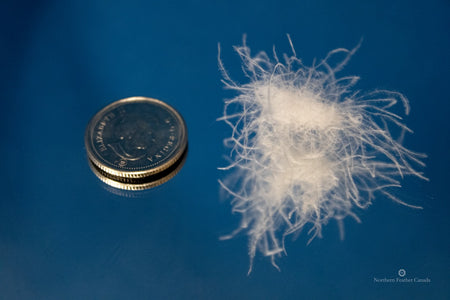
(306, 149)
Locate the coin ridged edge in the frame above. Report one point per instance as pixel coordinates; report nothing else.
(120, 182)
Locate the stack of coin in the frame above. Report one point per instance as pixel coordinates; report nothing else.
(136, 143)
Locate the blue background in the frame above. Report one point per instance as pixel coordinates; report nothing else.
(64, 236)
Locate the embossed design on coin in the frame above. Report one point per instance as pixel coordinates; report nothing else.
(135, 138)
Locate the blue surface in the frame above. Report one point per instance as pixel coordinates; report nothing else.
(64, 236)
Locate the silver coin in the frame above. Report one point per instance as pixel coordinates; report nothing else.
(133, 140)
